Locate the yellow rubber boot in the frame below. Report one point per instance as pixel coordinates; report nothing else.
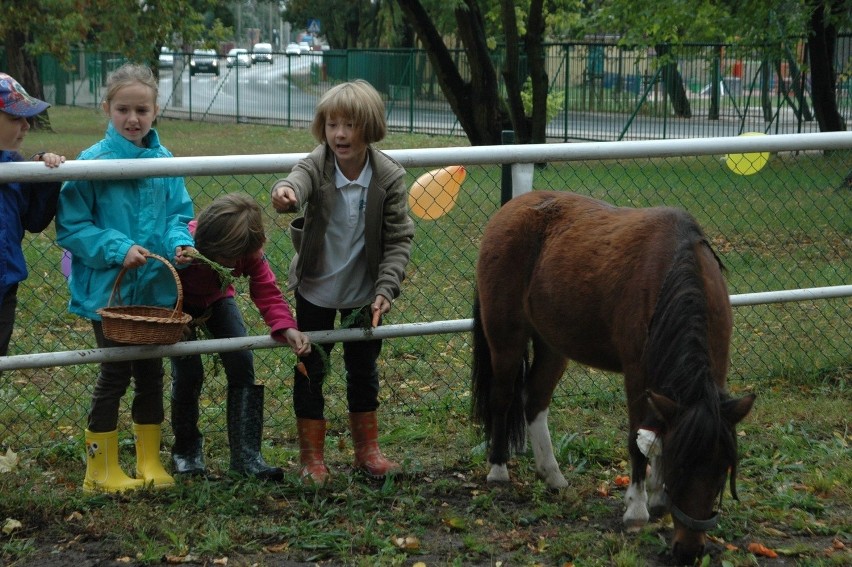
(103, 473)
(149, 467)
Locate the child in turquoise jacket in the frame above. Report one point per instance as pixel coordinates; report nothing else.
(108, 225)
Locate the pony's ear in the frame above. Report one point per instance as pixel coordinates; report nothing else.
(665, 409)
(733, 411)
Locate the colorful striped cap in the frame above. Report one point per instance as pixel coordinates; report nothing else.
(14, 99)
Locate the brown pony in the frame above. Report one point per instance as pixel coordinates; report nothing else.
(636, 291)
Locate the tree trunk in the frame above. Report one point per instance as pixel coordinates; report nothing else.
(822, 39)
(673, 83)
(512, 74)
(24, 69)
(538, 71)
(476, 103)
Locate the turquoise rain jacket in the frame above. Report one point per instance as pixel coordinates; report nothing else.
(99, 220)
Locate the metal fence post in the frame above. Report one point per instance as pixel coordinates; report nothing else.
(508, 137)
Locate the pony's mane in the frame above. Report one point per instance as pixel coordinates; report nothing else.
(677, 359)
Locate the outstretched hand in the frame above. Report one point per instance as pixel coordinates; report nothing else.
(284, 199)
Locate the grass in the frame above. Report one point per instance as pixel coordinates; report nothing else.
(789, 226)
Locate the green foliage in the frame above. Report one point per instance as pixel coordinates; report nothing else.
(555, 101)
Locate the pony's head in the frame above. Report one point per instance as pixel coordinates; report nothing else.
(699, 452)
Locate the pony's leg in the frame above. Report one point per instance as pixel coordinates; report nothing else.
(545, 373)
(507, 363)
(636, 501)
(545, 461)
(658, 502)
(636, 498)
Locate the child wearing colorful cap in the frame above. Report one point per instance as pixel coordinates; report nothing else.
(24, 206)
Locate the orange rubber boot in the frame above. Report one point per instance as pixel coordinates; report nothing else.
(311, 447)
(368, 456)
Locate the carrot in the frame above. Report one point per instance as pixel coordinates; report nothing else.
(760, 549)
(622, 480)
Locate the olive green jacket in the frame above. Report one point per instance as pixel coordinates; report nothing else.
(389, 229)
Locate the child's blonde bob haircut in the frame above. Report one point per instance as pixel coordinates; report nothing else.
(356, 101)
(230, 227)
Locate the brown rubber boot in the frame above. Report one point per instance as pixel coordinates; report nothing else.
(368, 456)
(311, 447)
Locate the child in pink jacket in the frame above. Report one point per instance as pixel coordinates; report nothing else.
(230, 232)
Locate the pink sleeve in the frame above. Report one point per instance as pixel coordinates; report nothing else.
(266, 295)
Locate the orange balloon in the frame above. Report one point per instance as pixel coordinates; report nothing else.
(434, 193)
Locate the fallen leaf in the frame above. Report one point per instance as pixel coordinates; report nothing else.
(75, 516)
(277, 548)
(837, 544)
(602, 490)
(762, 550)
(220, 561)
(454, 523)
(408, 543)
(8, 461)
(11, 525)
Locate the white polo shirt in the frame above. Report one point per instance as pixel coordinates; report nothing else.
(343, 282)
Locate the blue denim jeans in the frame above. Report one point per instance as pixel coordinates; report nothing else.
(225, 321)
(113, 381)
(359, 361)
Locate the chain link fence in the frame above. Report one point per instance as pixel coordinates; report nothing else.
(598, 90)
(786, 225)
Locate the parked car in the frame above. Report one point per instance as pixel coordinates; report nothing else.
(238, 57)
(304, 46)
(204, 61)
(293, 49)
(167, 58)
(261, 53)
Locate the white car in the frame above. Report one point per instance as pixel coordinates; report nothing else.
(293, 49)
(261, 53)
(238, 57)
(304, 46)
(167, 58)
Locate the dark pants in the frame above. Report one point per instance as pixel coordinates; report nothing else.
(8, 305)
(113, 381)
(359, 360)
(225, 321)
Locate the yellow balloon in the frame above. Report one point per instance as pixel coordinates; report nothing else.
(746, 164)
(434, 193)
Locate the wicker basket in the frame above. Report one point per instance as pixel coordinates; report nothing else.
(143, 325)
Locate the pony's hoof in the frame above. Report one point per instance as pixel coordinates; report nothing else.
(498, 473)
(555, 481)
(635, 517)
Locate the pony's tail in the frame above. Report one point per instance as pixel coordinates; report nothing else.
(481, 374)
(482, 378)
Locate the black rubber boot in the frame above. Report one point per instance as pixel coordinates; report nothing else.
(245, 431)
(187, 451)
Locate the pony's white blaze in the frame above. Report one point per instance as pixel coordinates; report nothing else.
(636, 500)
(545, 462)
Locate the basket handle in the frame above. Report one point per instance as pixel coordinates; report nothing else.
(178, 305)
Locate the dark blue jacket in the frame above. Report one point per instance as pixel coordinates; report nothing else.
(23, 206)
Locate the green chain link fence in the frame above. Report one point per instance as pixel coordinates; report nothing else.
(788, 226)
(597, 91)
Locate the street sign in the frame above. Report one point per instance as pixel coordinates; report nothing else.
(313, 26)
